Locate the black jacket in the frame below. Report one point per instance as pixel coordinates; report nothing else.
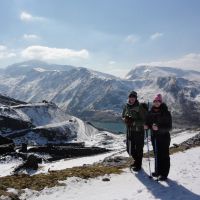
(162, 118)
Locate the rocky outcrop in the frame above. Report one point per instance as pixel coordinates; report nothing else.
(13, 124)
(4, 100)
(190, 143)
(31, 163)
(6, 149)
(5, 140)
(60, 152)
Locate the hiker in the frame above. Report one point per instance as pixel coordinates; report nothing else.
(159, 121)
(133, 115)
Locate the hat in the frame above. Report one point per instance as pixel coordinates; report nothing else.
(133, 94)
(158, 98)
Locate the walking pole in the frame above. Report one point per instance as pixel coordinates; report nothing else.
(129, 141)
(147, 142)
(156, 157)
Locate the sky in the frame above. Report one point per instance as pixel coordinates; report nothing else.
(112, 36)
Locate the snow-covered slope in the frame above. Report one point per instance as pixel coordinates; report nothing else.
(41, 123)
(146, 72)
(183, 183)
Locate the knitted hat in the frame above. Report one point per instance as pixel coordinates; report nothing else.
(133, 94)
(158, 98)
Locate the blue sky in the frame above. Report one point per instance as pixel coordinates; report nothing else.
(112, 36)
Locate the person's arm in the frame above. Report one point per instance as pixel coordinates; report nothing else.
(166, 123)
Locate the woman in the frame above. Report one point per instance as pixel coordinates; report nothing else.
(160, 122)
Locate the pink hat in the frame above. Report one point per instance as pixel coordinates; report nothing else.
(158, 98)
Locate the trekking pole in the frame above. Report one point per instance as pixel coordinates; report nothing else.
(156, 156)
(129, 141)
(148, 153)
(147, 142)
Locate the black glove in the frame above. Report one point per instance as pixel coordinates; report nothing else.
(129, 120)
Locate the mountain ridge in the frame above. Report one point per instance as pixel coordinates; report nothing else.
(93, 95)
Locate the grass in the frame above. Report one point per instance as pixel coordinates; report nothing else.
(40, 181)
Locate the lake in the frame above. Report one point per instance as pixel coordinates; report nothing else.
(116, 127)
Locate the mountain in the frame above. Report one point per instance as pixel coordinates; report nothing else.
(150, 72)
(93, 95)
(42, 123)
(28, 66)
(5, 100)
(180, 89)
(80, 91)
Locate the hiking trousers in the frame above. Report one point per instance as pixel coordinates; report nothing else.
(135, 144)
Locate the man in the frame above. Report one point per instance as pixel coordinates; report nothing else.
(133, 115)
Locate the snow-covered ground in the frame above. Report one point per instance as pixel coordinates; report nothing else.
(183, 184)
(6, 168)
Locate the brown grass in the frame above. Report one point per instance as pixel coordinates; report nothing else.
(40, 181)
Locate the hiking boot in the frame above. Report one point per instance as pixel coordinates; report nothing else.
(162, 178)
(136, 169)
(154, 174)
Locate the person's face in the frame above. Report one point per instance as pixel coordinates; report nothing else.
(132, 100)
(156, 104)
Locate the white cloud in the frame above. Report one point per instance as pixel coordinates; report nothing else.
(189, 61)
(2, 47)
(5, 53)
(112, 62)
(47, 53)
(156, 36)
(30, 36)
(27, 17)
(132, 39)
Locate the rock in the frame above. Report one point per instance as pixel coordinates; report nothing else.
(4, 140)
(105, 179)
(23, 148)
(5, 149)
(31, 163)
(175, 145)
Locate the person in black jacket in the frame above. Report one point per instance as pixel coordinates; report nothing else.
(134, 115)
(159, 120)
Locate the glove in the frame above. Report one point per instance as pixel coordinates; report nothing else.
(129, 121)
(154, 127)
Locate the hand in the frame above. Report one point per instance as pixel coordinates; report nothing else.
(146, 127)
(129, 120)
(155, 127)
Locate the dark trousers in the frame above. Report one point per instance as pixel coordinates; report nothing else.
(135, 144)
(161, 143)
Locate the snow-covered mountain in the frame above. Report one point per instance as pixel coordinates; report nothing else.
(42, 123)
(93, 95)
(149, 72)
(180, 88)
(80, 91)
